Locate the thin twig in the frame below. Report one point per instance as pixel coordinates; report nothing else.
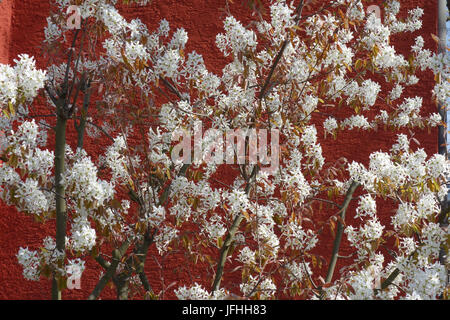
(340, 231)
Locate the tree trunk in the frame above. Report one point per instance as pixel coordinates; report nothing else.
(123, 289)
(61, 214)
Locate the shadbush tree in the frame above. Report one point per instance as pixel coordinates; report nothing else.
(299, 67)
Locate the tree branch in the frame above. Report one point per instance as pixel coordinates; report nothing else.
(230, 237)
(339, 232)
(117, 256)
(263, 91)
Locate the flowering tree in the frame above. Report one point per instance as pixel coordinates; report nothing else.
(115, 78)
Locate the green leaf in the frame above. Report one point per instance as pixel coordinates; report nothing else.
(11, 108)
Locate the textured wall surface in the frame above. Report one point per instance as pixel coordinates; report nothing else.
(21, 31)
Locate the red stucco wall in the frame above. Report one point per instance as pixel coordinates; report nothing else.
(21, 31)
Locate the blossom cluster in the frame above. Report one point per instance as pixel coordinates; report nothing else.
(20, 83)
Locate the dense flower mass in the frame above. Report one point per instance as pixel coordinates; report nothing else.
(21, 82)
(289, 71)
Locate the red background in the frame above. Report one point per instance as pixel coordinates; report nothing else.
(21, 31)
